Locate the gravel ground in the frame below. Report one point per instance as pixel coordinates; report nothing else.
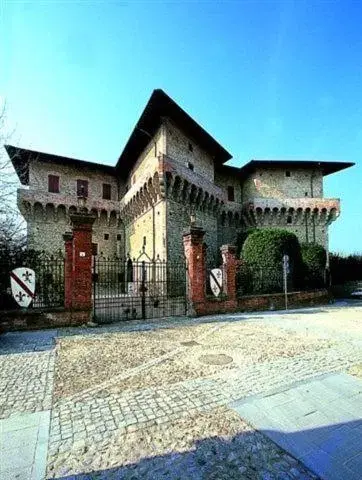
(356, 370)
(213, 445)
(117, 353)
(77, 369)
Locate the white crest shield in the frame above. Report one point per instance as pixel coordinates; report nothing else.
(23, 285)
(216, 281)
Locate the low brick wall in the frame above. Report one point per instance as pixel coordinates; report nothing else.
(42, 318)
(252, 303)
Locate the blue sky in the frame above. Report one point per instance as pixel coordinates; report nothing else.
(276, 80)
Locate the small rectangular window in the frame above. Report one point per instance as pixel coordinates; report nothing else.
(190, 166)
(287, 173)
(82, 188)
(94, 249)
(119, 237)
(289, 219)
(231, 194)
(106, 236)
(53, 183)
(191, 148)
(107, 191)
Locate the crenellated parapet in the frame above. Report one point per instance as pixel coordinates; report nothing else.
(290, 211)
(174, 181)
(45, 206)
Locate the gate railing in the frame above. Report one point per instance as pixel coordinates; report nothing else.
(139, 288)
(49, 280)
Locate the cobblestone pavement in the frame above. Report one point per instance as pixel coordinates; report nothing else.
(26, 372)
(94, 426)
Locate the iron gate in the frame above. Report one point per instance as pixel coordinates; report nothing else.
(125, 289)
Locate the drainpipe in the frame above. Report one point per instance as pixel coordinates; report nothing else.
(312, 195)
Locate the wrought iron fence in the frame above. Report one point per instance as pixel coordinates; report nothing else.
(252, 280)
(49, 279)
(139, 288)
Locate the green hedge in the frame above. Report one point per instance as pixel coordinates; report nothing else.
(263, 250)
(314, 262)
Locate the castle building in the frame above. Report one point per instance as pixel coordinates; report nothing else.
(170, 171)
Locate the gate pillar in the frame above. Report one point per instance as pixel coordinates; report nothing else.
(68, 269)
(82, 223)
(195, 253)
(78, 267)
(228, 253)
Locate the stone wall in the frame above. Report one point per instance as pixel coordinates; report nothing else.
(274, 183)
(178, 221)
(147, 162)
(47, 227)
(151, 224)
(38, 179)
(48, 219)
(178, 147)
(224, 181)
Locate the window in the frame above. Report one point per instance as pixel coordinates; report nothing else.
(144, 241)
(106, 236)
(287, 173)
(289, 219)
(82, 188)
(107, 191)
(191, 148)
(119, 237)
(190, 166)
(306, 194)
(94, 249)
(231, 194)
(53, 183)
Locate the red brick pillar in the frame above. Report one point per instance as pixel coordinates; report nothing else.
(228, 253)
(68, 269)
(195, 253)
(82, 260)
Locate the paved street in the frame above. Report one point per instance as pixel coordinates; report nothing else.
(157, 399)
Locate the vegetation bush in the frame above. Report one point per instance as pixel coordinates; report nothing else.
(263, 252)
(345, 268)
(242, 236)
(314, 259)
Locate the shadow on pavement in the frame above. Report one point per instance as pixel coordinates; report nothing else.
(331, 452)
(26, 342)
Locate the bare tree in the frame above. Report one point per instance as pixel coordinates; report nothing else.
(12, 226)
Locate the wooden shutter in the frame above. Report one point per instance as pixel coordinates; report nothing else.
(53, 183)
(106, 191)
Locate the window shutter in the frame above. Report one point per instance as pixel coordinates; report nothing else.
(53, 183)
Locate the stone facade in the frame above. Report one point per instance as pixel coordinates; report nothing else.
(175, 178)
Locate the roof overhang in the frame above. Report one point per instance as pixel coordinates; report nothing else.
(21, 158)
(326, 167)
(160, 106)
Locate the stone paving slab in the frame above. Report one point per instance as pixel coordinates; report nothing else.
(319, 422)
(23, 446)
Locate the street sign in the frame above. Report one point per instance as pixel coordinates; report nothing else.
(216, 281)
(286, 263)
(285, 278)
(22, 282)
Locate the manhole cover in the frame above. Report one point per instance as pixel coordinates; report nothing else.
(192, 343)
(215, 359)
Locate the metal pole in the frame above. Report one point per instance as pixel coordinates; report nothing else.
(143, 290)
(285, 288)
